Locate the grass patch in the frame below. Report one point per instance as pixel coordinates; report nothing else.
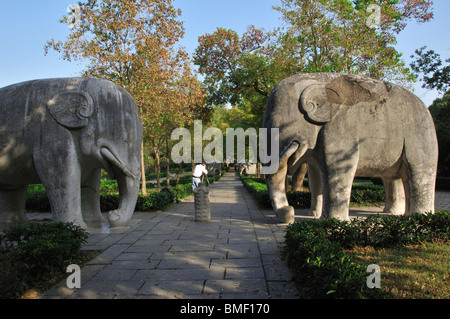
(40, 287)
(419, 271)
(329, 258)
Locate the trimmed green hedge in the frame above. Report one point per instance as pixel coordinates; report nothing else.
(361, 194)
(37, 200)
(315, 250)
(109, 199)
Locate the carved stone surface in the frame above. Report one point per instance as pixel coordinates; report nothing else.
(345, 126)
(202, 203)
(61, 133)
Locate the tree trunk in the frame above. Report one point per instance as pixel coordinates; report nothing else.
(168, 164)
(143, 180)
(258, 169)
(178, 174)
(158, 170)
(157, 165)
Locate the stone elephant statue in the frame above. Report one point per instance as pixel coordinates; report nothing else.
(61, 133)
(344, 126)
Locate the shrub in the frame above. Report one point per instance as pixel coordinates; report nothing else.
(320, 266)
(361, 194)
(299, 199)
(37, 201)
(33, 252)
(258, 190)
(315, 249)
(182, 191)
(109, 187)
(153, 201)
(109, 199)
(109, 202)
(367, 194)
(443, 183)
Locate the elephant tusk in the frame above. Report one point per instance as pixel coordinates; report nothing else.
(289, 151)
(116, 162)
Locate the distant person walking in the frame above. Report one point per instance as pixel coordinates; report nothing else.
(197, 175)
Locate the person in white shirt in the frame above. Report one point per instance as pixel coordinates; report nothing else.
(197, 175)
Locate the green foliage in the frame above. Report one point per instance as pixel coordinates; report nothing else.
(33, 252)
(37, 201)
(258, 190)
(109, 187)
(360, 195)
(334, 36)
(367, 194)
(315, 250)
(440, 110)
(320, 266)
(435, 75)
(182, 191)
(109, 199)
(153, 202)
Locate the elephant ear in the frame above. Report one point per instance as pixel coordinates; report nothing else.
(320, 103)
(72, 109)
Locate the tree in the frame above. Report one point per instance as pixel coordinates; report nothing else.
(435, 74)
(178, 103)
(132, 43)
(335, 36)
(231, 65)
(440, 110)
(320, 36)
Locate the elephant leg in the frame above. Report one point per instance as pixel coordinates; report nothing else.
(59, 171)
(337, 174)
(395, 196)
(419, 186)
(315, 188)
(298, 177)
(12, 206)
(337, 192)
(90, 200)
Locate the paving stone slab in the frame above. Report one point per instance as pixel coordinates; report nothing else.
(168, 255)
(172, 289)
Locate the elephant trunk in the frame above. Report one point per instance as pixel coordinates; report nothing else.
(276, 184)
(128, 193)
(128, 183)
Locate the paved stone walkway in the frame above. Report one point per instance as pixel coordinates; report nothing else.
(168, 255)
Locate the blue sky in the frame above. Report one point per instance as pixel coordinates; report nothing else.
(28, 24)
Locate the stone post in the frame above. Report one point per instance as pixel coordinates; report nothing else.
(202, 206)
